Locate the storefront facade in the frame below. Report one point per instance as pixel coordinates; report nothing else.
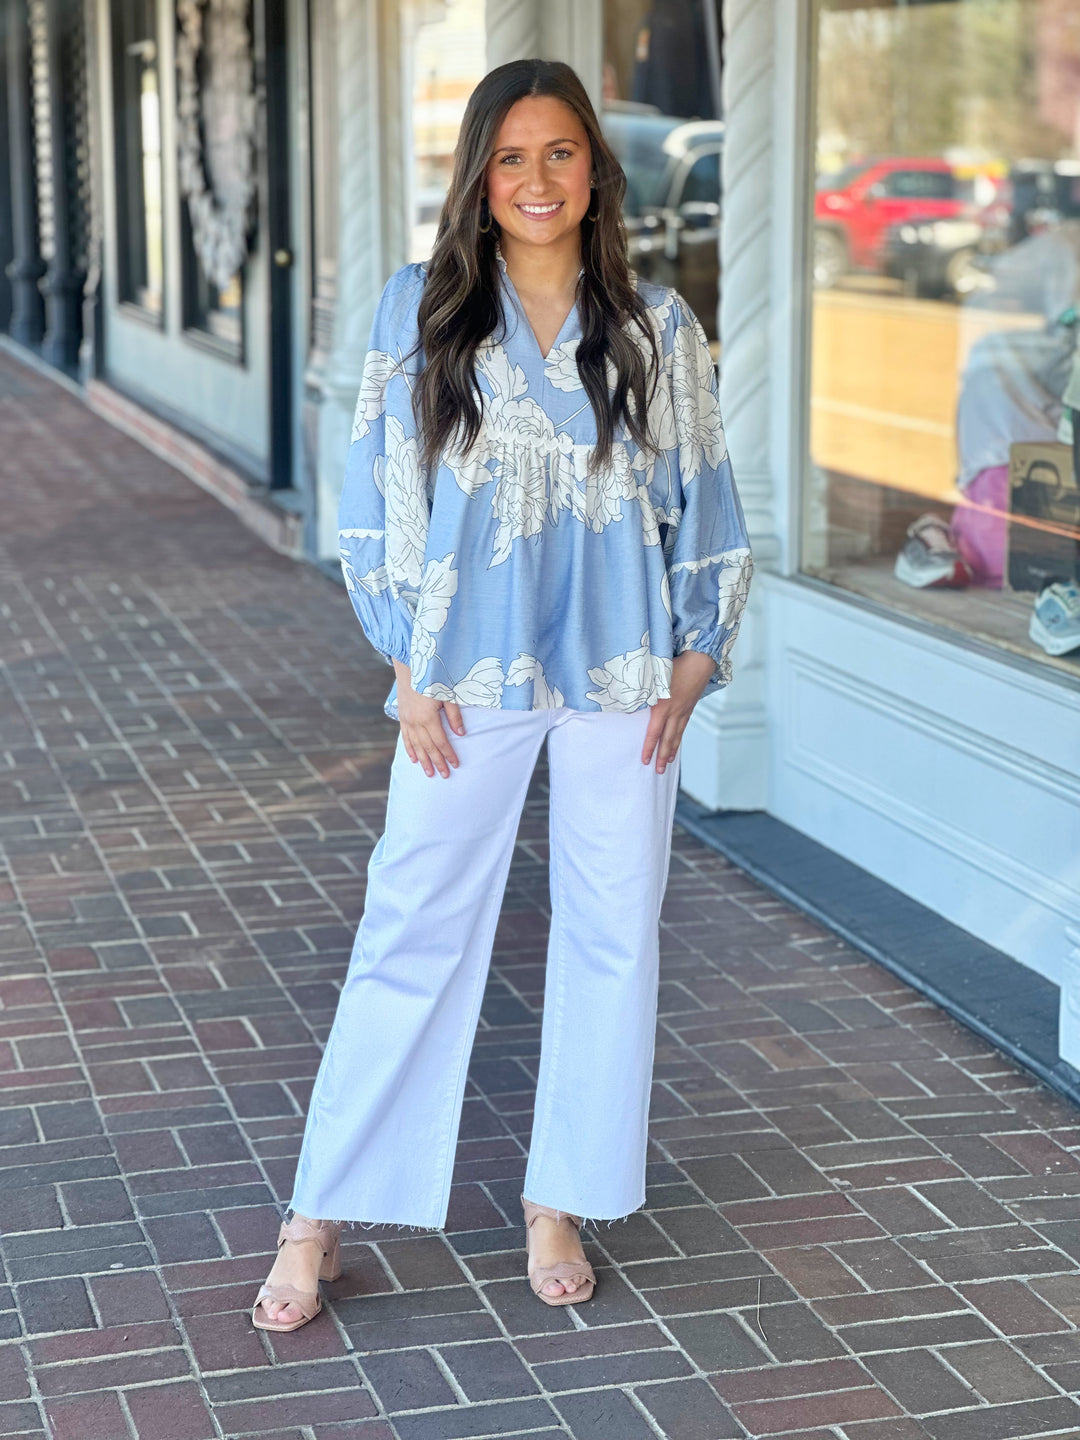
(918, 731)
(891, 349)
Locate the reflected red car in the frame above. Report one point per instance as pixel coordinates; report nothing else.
(855, 209)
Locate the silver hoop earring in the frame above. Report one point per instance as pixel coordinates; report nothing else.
(485, 215)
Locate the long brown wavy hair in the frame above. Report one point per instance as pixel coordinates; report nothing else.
(459, 308)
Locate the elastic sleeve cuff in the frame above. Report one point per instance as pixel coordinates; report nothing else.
(721, 674)
(391, 655)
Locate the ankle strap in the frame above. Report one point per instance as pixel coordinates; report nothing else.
(301, 1228)
(532, 1211)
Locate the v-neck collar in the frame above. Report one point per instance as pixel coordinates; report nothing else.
(571, 320)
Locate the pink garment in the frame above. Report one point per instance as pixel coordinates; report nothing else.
(979, 524)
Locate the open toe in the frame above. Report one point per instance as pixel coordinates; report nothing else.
(578, 1272)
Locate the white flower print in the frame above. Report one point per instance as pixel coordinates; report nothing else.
(507, 381)
(650, 516)
(560, 367)
(564, 489)
(608, 488)
(437, 588)
(561, 371)
(374, 582)
(736, 569)
(483, 685)
(697, 410)
(407, 513)
(514, 422)
(370, 403)
(661, 418)
(630, 680)
(519, 503)
(528, 667)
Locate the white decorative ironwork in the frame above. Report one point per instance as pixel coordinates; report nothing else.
(216, 130)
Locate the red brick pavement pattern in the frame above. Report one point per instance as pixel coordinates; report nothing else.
(863, 1223)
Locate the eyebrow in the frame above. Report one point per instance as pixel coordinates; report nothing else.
(563, 140)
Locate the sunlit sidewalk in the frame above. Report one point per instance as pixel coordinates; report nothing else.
(859, 1212)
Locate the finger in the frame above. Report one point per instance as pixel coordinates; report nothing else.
(453, 715)
(652, 735)
(445, 749)
(668, 747)
(435, 755)
(417, 751)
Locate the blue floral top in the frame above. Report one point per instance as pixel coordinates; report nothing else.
(510, 577)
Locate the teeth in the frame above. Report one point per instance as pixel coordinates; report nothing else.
(541, 209)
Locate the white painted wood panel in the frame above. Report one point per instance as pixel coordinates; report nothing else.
(950, 774)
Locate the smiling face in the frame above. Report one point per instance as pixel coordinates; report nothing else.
(538, 178)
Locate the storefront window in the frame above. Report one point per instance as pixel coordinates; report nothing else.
(213, 313)
(444, 46)
(661, 115)
(137, 112)
(946, 316)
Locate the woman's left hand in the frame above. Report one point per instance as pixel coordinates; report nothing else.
(690, 674)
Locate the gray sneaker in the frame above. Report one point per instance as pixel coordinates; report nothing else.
(1055, 621)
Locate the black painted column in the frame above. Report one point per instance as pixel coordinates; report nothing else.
(27, 266)
(63, 284)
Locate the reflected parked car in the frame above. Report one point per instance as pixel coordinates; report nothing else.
(936, 259)
(857, 208)
(954, 257)
(1037, 195)
(672, 207)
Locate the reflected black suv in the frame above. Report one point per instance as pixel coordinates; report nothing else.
(672, 207)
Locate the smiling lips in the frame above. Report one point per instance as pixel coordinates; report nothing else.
(541, 212)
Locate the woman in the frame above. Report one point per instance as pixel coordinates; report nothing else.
(541, 534)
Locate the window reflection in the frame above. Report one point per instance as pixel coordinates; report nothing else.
(444, 58)
(946, 263)
(661, 115)
(137, 137)
(211, 310)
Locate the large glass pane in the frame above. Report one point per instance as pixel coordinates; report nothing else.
(444, 47)
(213, 313)
(661, 115)
(946, 266)
(137, 119)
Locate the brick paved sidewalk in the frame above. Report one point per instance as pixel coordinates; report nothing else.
(859, 1213)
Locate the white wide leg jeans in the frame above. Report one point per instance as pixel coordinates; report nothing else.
(385, 1112)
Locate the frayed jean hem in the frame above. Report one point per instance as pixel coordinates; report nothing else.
(286, 1212)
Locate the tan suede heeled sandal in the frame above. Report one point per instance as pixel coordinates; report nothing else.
(579, 1271)
(300, 1231)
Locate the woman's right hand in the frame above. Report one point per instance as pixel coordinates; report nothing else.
(422, 729)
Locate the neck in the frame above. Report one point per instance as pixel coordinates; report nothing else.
(543, 269)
